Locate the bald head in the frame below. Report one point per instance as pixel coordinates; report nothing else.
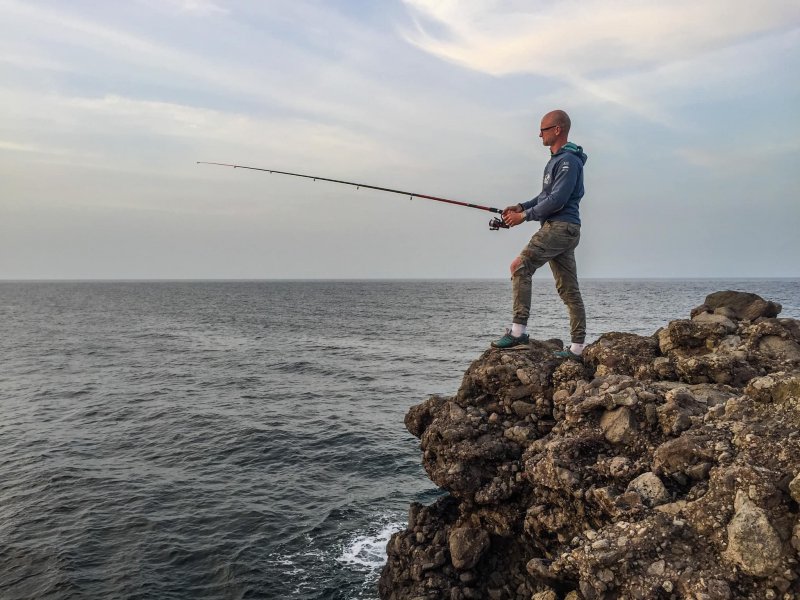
(560, 118)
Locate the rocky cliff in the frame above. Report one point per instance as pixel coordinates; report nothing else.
(660, 467)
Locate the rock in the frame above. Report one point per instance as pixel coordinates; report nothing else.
(675, 456)
(661, 467)
(618, 425)
(794, 488)
(717, 319)
(622, 353)
(518, 434)
(657, 568)
(743, 305)
(753, 543)
(547, 595)
(523, 409)
(675, 415)
(779, 348)
(650, 488)
(467, 545)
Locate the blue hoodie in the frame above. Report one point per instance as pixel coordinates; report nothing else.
(562, 188)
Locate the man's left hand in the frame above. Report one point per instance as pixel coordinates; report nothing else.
(512, 219)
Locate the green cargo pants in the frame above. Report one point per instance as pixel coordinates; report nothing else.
(554, 243)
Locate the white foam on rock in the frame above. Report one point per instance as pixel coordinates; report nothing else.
(368, 551)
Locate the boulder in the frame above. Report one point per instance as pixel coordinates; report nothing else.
(467, 544)
(753, 543)
(743, 305)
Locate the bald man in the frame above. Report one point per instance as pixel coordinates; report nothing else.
(556, 209)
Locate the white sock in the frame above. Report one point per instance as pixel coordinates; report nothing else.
(577, 349)
(518, 329)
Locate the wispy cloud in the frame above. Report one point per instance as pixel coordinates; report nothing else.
(588, 37)
(199, 7)
(592, 46)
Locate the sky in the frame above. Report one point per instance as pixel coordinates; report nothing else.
(689, 112)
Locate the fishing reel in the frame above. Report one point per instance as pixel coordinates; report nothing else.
(496, 224)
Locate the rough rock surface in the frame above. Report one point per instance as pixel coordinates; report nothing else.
(660, 467)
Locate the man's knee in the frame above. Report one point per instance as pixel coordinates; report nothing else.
(516, 265)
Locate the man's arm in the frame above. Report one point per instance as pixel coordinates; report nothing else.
(544, 204)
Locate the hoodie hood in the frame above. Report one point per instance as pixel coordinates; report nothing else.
(575, 149)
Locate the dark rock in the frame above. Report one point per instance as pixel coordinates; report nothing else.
(467, 545)
(744, 305)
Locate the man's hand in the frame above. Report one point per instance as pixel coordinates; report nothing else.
(513, 215)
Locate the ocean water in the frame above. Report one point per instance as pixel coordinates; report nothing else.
(225, 439)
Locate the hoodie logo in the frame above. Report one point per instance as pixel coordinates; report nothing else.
(547, 178)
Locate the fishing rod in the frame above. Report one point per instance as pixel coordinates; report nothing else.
(494, 224)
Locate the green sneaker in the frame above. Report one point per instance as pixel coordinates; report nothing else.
(509, 341)
(568, 354)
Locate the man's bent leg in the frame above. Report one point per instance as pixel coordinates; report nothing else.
(565, 272)
(539, 250)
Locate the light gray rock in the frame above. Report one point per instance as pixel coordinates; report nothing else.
(753, 543)
(650, 488)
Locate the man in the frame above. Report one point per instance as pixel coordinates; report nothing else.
(556, 208)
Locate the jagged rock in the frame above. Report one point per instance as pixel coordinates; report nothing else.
(622, 353)
(661, 467)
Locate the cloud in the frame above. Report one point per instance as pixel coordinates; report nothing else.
(199, 7)
(596, 48)
(590, 37)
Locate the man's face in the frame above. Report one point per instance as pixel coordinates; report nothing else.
(548, 131)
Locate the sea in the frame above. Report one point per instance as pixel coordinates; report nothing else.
(245, 439)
